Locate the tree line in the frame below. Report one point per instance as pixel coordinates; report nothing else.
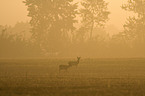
(68, 28)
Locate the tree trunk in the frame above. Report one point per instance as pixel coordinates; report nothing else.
(92, 27)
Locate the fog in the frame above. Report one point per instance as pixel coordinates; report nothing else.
(101, 29)
(15, 11)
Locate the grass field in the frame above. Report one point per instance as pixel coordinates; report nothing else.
(92, 77)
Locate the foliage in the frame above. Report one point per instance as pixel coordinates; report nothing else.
(51, 22)
(135, 26)
(16, 46)
(94, 14)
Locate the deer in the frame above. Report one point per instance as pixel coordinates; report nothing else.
(74, 63)
(64, 67)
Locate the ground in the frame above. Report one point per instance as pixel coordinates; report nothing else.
(92, 77)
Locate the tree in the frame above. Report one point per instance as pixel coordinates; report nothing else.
(94, 14)
(51, 20)
(135, 26)
(14, 45)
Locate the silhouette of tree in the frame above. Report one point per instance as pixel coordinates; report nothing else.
(51, 22)
(14, 45)
(81, 35)
(22, 30)
(135, 26)
(94, 14)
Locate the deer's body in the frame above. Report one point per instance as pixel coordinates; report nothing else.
(63, 67)
(70, 64)
(74, 63)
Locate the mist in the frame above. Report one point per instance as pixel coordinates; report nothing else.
(111, 31)
(72, 47)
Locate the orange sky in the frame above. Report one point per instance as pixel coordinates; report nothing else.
(13, 11)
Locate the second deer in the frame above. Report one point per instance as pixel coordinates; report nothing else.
(64, 67)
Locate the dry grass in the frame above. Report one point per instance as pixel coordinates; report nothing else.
(92, 77)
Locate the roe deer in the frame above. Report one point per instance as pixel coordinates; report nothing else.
(63, 67)
(74, 63)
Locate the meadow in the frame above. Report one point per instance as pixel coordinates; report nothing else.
(92, 77)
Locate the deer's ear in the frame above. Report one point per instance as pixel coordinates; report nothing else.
(78, 57)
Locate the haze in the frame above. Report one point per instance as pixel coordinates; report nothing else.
(61, 49)
(56, 32)
(13, 11)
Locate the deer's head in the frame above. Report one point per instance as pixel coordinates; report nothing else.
(78, 58)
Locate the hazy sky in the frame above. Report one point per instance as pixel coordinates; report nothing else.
(13, 11)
